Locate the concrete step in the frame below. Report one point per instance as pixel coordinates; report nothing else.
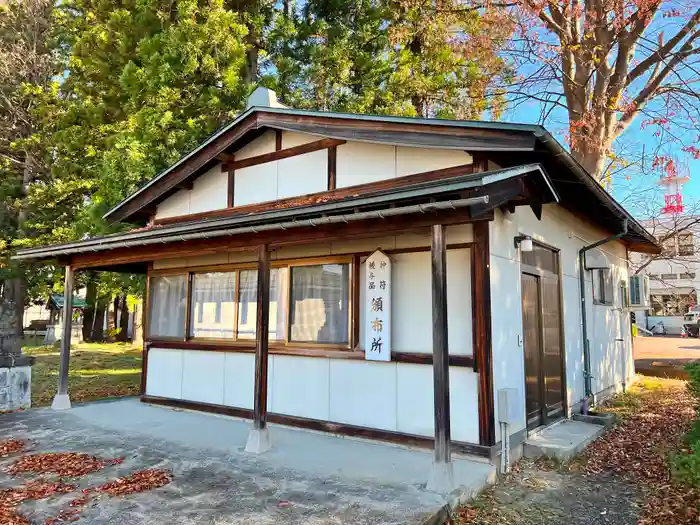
(563, 440)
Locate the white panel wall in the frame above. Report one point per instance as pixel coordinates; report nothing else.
(360, 163)
(302, 174)
(611, 361)
(255, 184)
(176, 204)
(293, 138)
(388, 396)
(239, 380)
(263, 144)
(418, 160)
(209, 192)
(300, 387)
(164, 373)
(363, 393)
(203, 376)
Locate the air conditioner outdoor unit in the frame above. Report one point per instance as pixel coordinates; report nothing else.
(639, 292)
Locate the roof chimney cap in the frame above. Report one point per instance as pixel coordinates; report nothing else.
(263, 97)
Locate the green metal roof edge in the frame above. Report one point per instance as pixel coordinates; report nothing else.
(78, 302)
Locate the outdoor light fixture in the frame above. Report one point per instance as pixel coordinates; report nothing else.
(524, 242)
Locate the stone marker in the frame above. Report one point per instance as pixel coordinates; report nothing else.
(15, 368)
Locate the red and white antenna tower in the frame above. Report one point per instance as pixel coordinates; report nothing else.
(673, 180)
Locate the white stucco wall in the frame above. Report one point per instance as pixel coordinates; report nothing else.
(206, 195)
(390, 396)
(357, 163)
(611, 361)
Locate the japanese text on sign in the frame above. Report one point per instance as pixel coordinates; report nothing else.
(378, 307)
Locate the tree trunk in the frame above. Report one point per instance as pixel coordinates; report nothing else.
(17, 286)
(110, 307)
(123, 319)
(592, 159)
(98, 321)
(89, 312)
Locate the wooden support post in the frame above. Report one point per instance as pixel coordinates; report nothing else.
(481, 330)
(259, 438)
(442, 478)
(62, 400)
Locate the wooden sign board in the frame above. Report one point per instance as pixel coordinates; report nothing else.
(378, 307)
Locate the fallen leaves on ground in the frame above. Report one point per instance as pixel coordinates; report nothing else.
(10, 446)
(137, 482)
(639, 449)
(64, 464)
(34, 490)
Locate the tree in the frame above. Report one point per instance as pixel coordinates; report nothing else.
(26, 68)
(145, 82)
(604, 63)
(409, 57)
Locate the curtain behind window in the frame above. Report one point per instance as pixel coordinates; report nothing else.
(320, 302)
(168, 301)
(213, 303)
(248, 304)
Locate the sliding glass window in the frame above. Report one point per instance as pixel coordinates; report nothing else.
(212, 305)
(168, 302)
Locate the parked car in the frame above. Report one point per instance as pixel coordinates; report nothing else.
(691, 322)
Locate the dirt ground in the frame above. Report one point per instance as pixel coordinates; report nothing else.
(543, 494)
(664, 356)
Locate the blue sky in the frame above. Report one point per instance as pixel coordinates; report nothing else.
(640, 192)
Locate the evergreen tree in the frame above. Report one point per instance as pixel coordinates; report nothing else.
(408, 57)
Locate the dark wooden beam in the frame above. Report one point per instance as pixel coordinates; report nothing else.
(481, 330)
(283, 154)
(226, 157)
(186, 185)
(332, 156)
(441, 364)
(231, 184)
(262, 339)
(278, 139)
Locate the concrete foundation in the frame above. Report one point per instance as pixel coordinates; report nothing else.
(61, 402)
(15, 387)
(258, 441)
(442, 478)
(563, 440)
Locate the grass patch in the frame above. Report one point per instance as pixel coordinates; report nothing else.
(97, 371)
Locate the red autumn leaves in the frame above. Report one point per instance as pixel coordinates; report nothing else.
(66, 465)
(639, 449)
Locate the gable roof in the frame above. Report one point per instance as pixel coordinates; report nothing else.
(516, 144)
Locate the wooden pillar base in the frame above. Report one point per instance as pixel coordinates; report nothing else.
(442, 478)
(258, 441)
(61, 402)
